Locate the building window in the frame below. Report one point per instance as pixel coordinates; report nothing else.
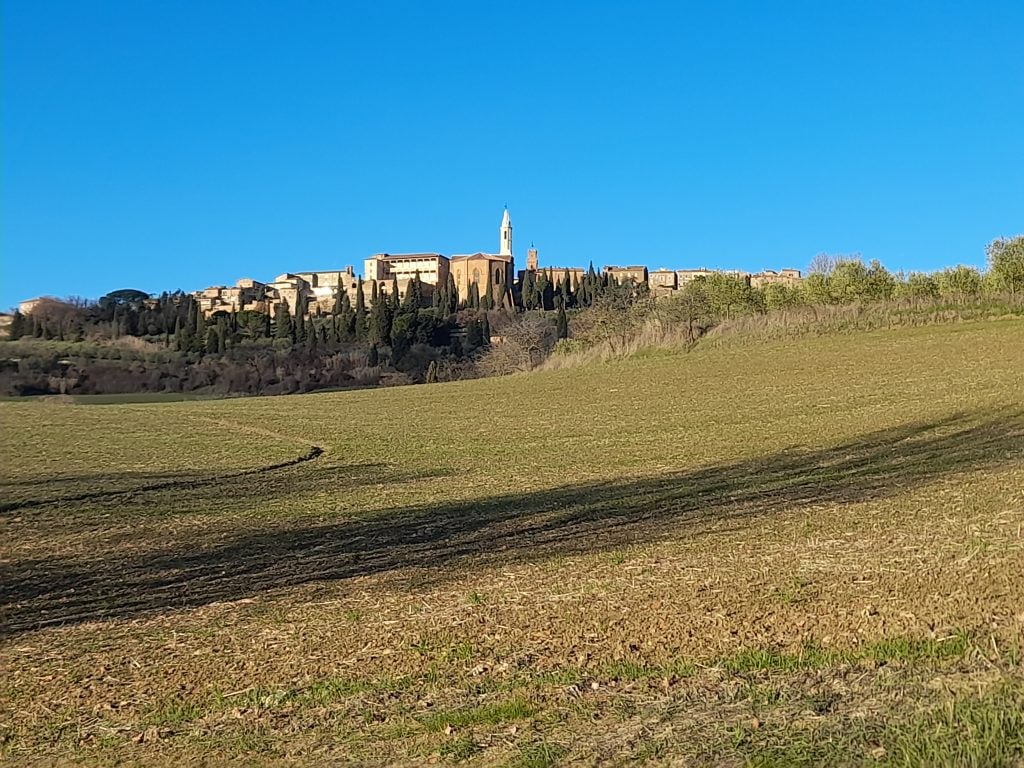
(497, 275)
(476, 276)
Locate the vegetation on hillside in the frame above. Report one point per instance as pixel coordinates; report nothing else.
(841, 294)
(128, 342)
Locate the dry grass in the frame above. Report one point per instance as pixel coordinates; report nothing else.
(808, 552)
(660, 335)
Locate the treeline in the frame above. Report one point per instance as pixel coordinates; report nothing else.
(129, 342)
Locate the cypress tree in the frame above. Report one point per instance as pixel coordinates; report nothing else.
(393, 299)
(180, 342)
(562, 324)
(283, 322)
(345, 318)
(474, 334)
(487, 300)
(403, 332)
(485, 330)
(453, 294)
(199, 336)
(17, 326)
(359, 316)
(544, 292)
(527, 289)
(413, 293)
(223, 331)
(379, 331)
(372, 356)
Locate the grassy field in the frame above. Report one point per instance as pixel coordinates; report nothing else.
(804, 552)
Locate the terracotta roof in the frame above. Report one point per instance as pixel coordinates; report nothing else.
(489, 256)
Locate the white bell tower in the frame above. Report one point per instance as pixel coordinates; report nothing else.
(506, 235)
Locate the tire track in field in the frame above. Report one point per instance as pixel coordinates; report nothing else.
(187, 484)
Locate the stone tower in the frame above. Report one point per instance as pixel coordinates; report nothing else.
(531, 259)
(506, 235)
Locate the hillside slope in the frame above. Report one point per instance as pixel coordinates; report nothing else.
(801, 551)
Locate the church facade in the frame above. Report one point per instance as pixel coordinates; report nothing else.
(488, 273)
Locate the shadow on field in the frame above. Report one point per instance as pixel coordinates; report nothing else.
(509, 528)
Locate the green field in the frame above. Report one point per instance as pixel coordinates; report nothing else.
(799, 552)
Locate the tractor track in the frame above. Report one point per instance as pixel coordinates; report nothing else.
(314, 452)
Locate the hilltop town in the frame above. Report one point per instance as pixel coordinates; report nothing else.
(488, 276)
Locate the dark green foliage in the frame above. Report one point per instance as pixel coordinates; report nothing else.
(381, 318)
(359, 314)
(394, 300)
(485, 329)
(283, 323)
(403, 333)
(212, 344)
(562, 324)
(474, 334)
(528, 291)
(414, 294)
(18, 326)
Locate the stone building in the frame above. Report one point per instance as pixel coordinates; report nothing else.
(485, 270)
(26, 307)
(324, 288)
(494, 271)
(291, 290)
(246, 294)
(739, 274)
(636, 273)
(662, 282)
(788, 277)
(684, 276)
(385, 267)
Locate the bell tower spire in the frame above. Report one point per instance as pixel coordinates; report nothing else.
(506, 235)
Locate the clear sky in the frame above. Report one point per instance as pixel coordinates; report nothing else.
(173, 144)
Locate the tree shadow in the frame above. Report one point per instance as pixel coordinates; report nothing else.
(515, 527)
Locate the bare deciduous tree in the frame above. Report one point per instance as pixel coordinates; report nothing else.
(523, 343)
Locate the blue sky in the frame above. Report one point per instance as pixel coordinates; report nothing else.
(174, 144)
